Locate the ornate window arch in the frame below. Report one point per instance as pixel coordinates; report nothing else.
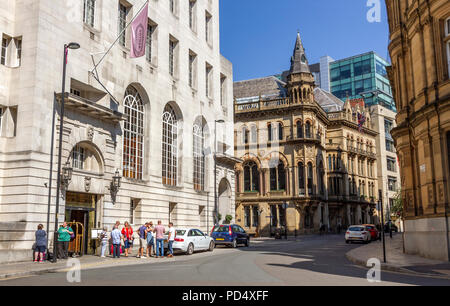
(300, 133)
(199, 157)
(133, 139)
(277, 176)
(169, 147)
(251, 177)
(301, 178)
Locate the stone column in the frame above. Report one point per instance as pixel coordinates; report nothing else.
(358, 214)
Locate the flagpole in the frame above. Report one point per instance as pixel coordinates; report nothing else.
(117, 39)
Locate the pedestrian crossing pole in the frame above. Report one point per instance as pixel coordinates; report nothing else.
(380, 200)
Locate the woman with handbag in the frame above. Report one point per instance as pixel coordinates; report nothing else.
(127, 233)
(40, 244)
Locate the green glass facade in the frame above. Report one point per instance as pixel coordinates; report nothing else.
(362, 74)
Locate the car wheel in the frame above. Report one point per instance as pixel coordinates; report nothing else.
(212, 246)
(234, 244)
(190, 249)
(346, 241)
(247, 243)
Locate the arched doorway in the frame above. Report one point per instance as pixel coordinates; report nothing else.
(224, 202)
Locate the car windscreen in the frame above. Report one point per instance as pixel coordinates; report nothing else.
(221, 229)
(356, 229)
(370, 227)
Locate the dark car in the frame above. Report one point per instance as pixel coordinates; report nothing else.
(231, 235)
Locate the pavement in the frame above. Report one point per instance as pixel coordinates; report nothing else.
(301, 261)
(397, 261)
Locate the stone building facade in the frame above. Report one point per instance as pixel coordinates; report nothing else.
(297, 143)
(420, 53)
(152, 122)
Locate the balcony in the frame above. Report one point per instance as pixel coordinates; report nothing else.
(262, 105)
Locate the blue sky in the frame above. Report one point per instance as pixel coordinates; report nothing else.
(258, 36)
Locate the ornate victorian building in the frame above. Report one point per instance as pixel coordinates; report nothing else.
(152, 124)
(306, 161)
(420, 53)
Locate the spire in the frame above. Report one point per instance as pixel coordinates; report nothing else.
(299, 63)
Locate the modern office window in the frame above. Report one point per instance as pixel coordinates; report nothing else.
(123, 13)
(391, 164)
(89, 12)
(381, 69)
(390, 146)
(133, 140)
(199, 158)
(251, 177)
(169, 147)
(392, 184)
(363, 67)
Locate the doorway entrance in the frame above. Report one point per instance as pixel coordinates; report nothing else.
(82, 208)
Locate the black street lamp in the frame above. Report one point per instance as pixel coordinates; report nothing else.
(216, 212)
(115, 185)
(67, 172)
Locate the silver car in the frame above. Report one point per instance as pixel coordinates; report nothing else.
(357, 233)
(190, 240)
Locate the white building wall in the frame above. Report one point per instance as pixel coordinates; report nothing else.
(24, 158)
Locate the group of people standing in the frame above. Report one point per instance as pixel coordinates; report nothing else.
(122, 241)
(65, 235)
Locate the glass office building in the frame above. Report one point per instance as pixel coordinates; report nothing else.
(362, 76)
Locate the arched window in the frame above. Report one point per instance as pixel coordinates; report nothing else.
(133, 138)
(310, 179)
(85, 159)
(321, 173)
(251, 177)
(278, 177)
(308, 130)
(301, 178)
(199, 158)
(299, 130)
(169, 147)
(280, 131)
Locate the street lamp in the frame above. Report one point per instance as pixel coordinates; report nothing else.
(67, 172)
(66, 175)
(115, 185)
(216, 212)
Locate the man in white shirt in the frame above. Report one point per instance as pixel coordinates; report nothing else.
(171, 238)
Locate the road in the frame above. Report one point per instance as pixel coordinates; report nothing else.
(310, 261)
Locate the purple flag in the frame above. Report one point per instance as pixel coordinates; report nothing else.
(139, 34)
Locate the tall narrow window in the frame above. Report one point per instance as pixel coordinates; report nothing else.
(245, 135)
(299, 129)
(310, 179)
(199, 158)
(255, 215)
(270, 132)
(133, 139)
(280, 131)
(308, 130)
(247, 216)
(208, 27)
(253, 134)
(278, 177)
(123, 12)
(301, 178)
(149, 42)
(192, 69)
(223, 88)
(192, 15)
(169, 147)
(251, 177)
(89, 12)
(172, 46)
(78, 156)
(208, 77)
(5, 44)
(172, 6)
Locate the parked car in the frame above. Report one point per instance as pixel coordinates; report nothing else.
(375, 234)
(189, 240)
(393, 227)
(357, 233)
(231, 235)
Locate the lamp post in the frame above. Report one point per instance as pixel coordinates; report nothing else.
(72, 46)
(380, 201)
(115, 185)
(216, 212)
